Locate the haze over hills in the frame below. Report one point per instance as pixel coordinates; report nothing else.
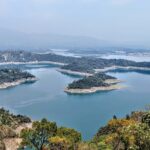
(10, 39)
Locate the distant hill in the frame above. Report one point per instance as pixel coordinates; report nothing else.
(10, 39)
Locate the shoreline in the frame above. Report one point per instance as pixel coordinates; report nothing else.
(17, 82)
(78, 73)
(93, 89)
(33, 62)
(67, 71)
(70, 72)
(114, 86)
(121, 67)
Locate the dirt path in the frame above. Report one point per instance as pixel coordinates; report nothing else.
(13, 143)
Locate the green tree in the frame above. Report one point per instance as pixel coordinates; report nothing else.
(38, 136)
(132, 137)
(71, 134)
(59, 143)
(146, 118)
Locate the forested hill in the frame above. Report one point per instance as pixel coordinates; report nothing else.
(13, 75)
(97, 80)
(84, 64)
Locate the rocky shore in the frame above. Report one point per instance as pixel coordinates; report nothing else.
(17, 82)
(93, 89)
(12, 77)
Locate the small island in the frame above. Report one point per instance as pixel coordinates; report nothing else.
(13, 77)
(93, 83)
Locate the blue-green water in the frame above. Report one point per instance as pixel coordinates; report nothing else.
(86, 113)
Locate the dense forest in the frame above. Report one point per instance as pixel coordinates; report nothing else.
(83, 64)
(96, 80)
(12, 75)
(129, 133)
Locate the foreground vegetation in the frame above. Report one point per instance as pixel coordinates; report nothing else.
(129, 133)
(11, 120)
(46, 135)
(8, 124)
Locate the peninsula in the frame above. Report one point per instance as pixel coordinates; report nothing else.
(93, 83)
(13, 77)
(87, 67)
(67, 63)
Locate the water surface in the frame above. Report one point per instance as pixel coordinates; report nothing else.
(86, 113)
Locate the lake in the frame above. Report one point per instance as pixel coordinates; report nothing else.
(86, 113)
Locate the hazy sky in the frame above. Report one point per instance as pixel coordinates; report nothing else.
(112, 20)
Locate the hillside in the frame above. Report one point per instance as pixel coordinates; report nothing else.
(131, 132)
(8, 125)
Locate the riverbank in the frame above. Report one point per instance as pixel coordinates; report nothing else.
(17, 82)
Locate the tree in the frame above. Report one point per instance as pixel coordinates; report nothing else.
(127, 117)
(114, 117)
(70, 134)
(136, 136)
(38, 136)
(146, 118)
(59, 143)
